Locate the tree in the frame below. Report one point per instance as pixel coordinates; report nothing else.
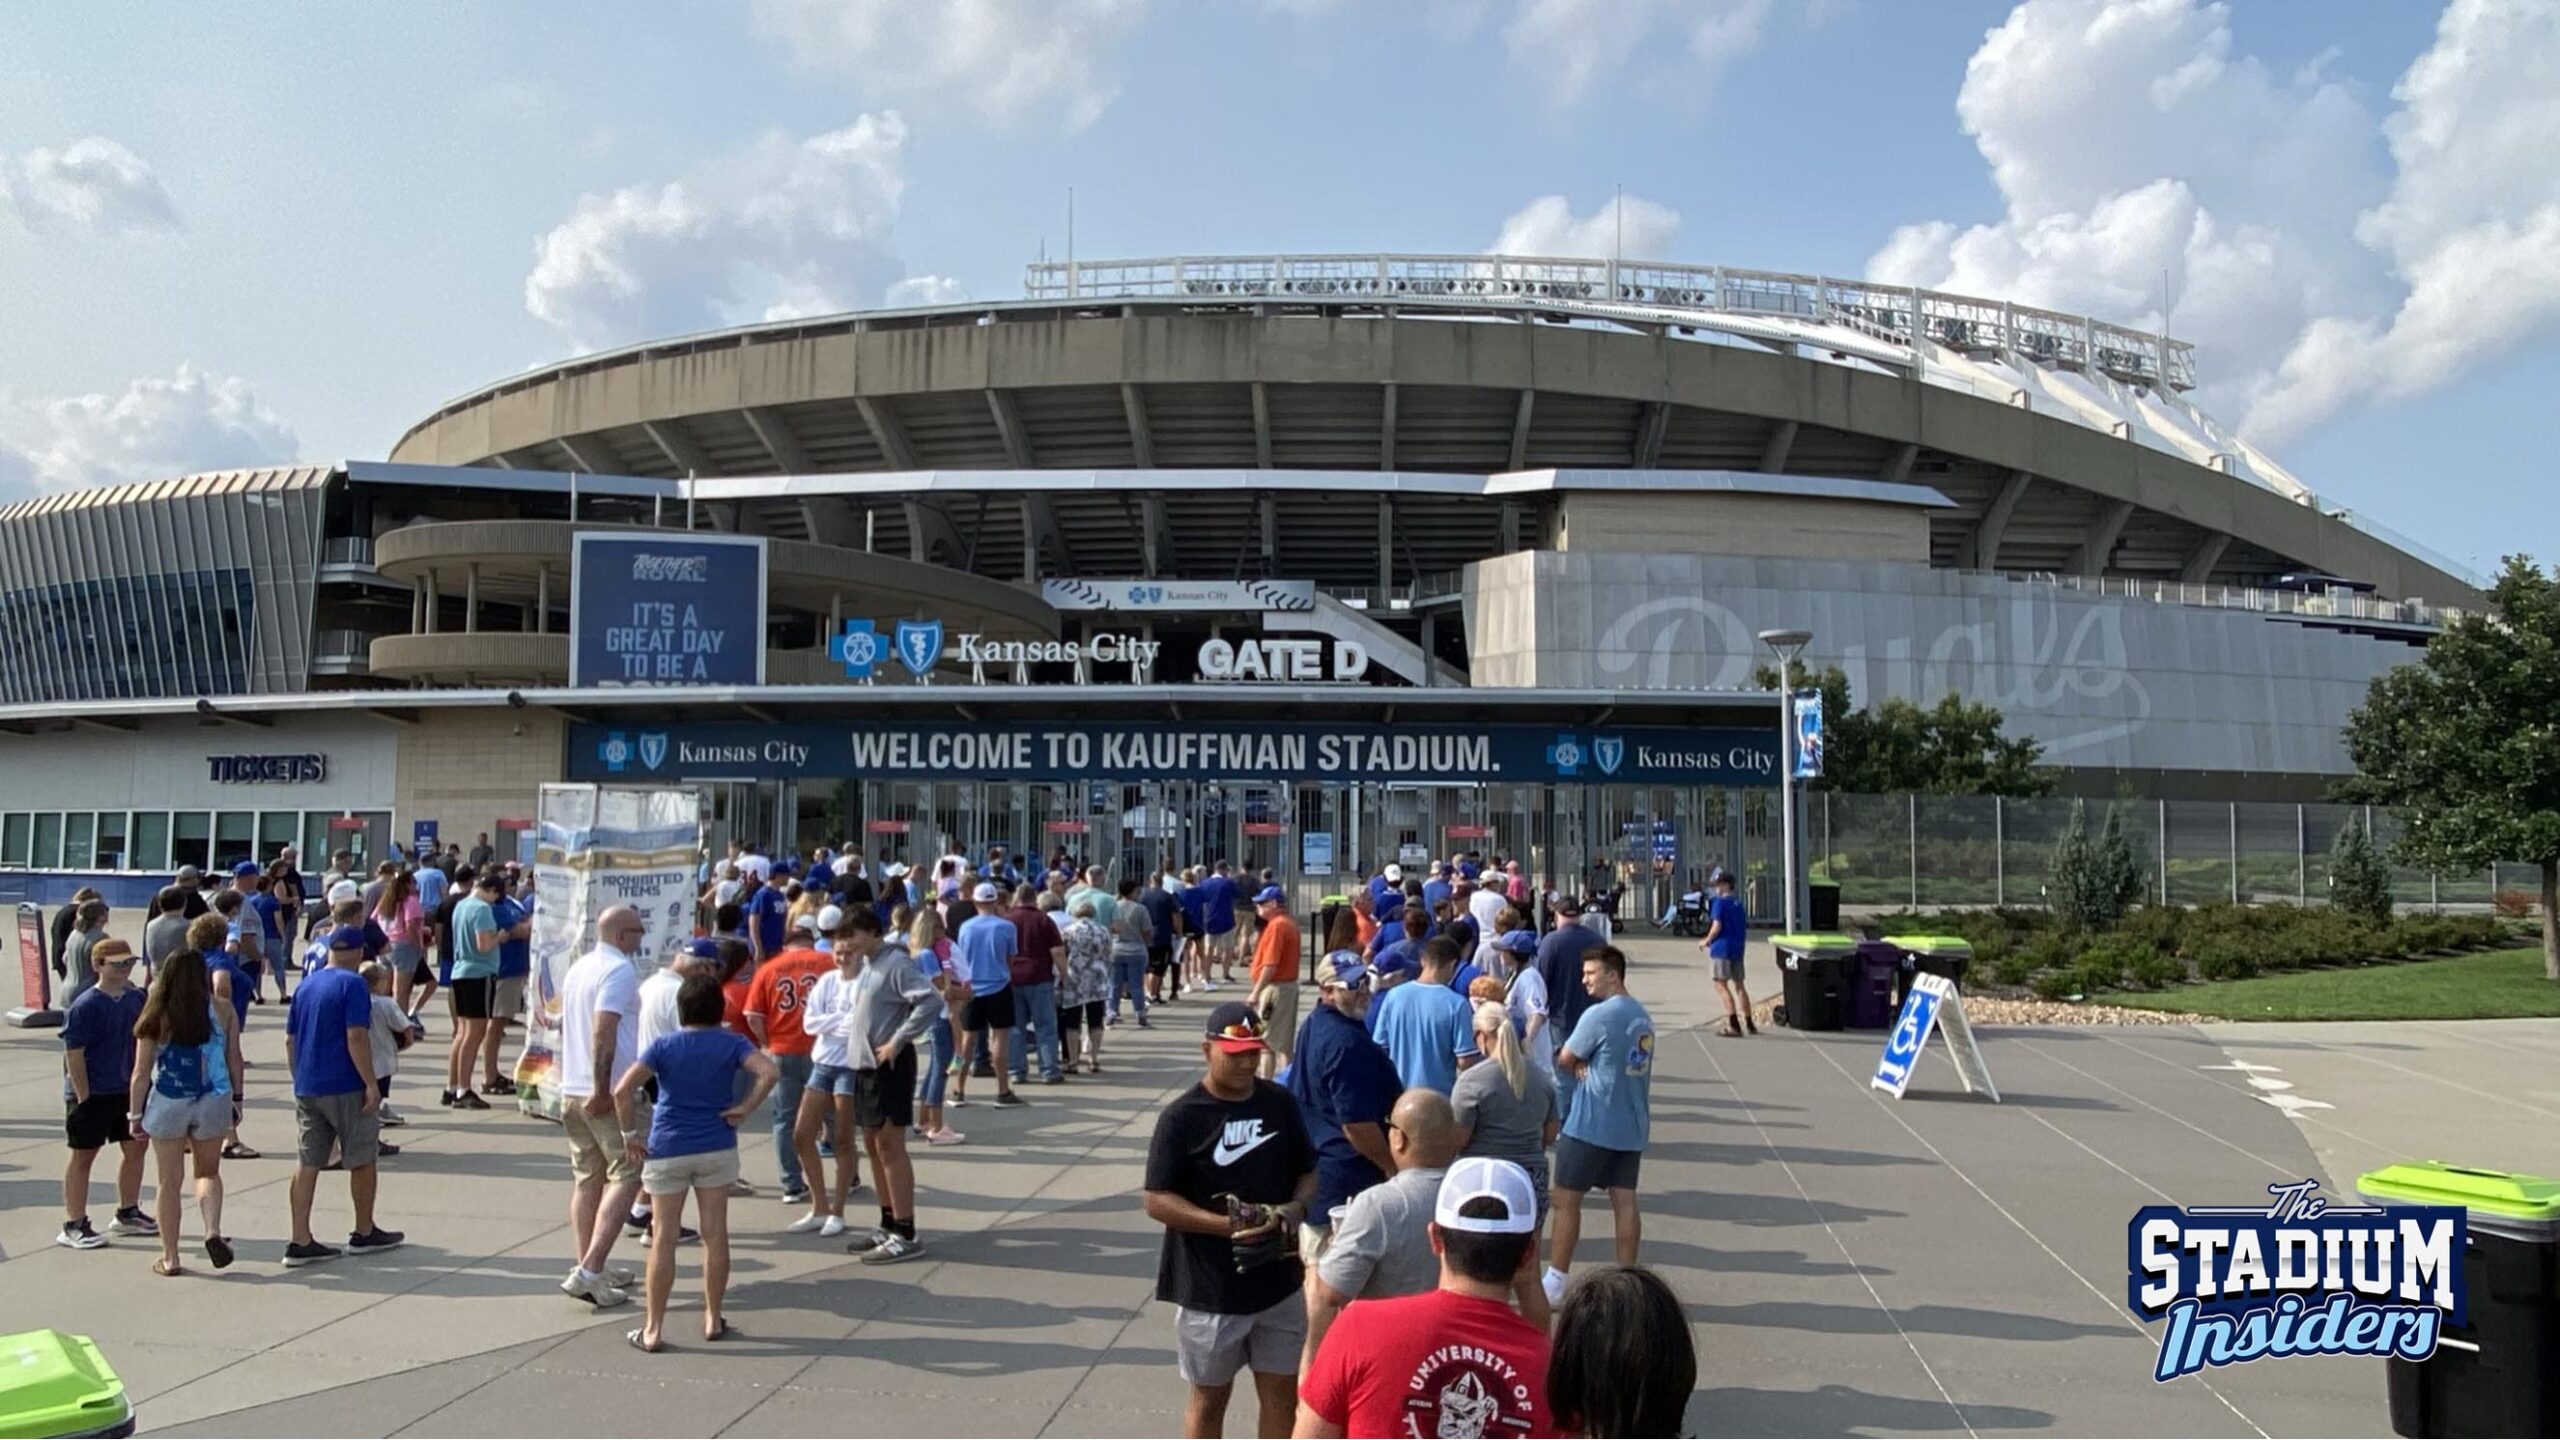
(2094, 883)
(1951, 748)
(2466, 742)
(2359, 881)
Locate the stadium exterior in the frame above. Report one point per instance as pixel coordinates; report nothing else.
(1406, 554)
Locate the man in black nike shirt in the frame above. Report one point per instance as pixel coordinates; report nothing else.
(1229, 1175)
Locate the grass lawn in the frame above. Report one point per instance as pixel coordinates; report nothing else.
(2495, 984)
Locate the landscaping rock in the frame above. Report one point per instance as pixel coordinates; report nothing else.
(1994, 1010)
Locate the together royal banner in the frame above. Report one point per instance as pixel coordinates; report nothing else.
(598, 846)
(1349, 752)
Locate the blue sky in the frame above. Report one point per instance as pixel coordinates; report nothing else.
(235, 236)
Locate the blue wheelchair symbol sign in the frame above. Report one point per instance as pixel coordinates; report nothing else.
(1910, 1036)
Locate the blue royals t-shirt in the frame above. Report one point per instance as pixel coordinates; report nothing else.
(1727, 911)
(697, 1074)
(1613, 1104)
(323, 1009)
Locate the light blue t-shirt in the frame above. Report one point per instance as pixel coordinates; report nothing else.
(1613, 1105)
(470, 962)
(987, 943)
(1420, 1025)
(431, 883)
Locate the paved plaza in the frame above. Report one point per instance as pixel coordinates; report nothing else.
(1852, 1264)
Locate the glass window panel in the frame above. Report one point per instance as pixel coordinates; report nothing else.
(110, 850)
(276, 830)
(48, 851)
(150, 839)
(191, 841)
(315, 839)
(234, 836)
(79, 829)
(17, 833)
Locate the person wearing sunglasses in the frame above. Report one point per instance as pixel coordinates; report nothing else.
(1230, 1172)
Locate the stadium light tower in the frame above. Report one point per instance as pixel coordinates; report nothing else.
(1789, 644)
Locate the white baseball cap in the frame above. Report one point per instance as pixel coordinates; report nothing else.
(345, 890)
(1395, 874)
(985, 894)
(830, 919)
(1481, 1176)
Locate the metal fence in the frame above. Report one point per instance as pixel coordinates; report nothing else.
(1952, 850)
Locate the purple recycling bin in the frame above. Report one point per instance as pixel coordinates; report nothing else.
(1869, 1003)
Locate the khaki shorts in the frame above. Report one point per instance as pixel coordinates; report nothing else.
(1210, 1348)
(596, 1150)
(507, 1004)
(1277, 1002)
(705, 1170)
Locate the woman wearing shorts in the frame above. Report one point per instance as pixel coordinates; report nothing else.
(186, 1072)
(691, 1143)
(933, 955)
(404, 928)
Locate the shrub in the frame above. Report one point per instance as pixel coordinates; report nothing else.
(2512, 904)
(2158, 972)
(2055, 984)
(2359, 881)
(2095, 882)
(2012, 969)
(2220, 959)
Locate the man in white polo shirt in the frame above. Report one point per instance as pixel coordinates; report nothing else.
(599, 1039)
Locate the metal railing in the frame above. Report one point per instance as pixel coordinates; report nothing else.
(2326, 604)
(1893, 315)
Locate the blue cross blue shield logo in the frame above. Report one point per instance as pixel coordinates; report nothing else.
(1609, 750)
(857, 648)
(614, 751)
(653, 749)
(919, 645)
(1566, 755)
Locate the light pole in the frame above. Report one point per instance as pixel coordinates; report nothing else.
(1789, 644)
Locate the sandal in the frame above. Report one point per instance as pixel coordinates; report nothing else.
(237, 1151)
(163, 1267)
(639, 1340)
(717, 1330)
(218, 1250)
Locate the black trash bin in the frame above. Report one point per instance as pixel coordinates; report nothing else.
(1813, 973)
(1948, 955)
(1873, 974)
(2499, 1373)
(1822, 907)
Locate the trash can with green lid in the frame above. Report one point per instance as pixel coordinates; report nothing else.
(2499, 1372)
(1947, 955)
(52, 1384)
(1813, 977)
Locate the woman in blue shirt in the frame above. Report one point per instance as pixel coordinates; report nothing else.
(691, 1143)
(186, 1096)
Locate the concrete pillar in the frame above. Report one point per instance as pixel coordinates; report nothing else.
(542, 600)
(471, 598)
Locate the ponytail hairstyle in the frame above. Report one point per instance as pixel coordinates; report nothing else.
(1501, 1046)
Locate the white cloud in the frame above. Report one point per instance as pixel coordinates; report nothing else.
(2471, 226)
(92, 186)
(2131, 146)
(152, 429)
(1014, 62)
(1581, 44)
(789, 228)
(1548, 226)
(920, 290)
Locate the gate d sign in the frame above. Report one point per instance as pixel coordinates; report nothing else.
(1932, 1005)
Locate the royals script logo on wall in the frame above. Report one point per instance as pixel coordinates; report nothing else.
(651, 607)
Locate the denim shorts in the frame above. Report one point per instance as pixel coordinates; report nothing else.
(831, 1079)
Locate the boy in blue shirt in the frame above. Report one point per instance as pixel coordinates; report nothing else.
(1611, 1054)
(97, 1071)
(1727, 929)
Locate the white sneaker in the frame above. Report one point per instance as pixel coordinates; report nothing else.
(390, 1118)
(623, 1277)
(1555, 1286)
(807, 1224)
(833, 1228)
(596, 1290)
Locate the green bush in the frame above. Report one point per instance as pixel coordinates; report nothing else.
(2013, 969)
(2158, 972)
(2055, 984)
(2221, 959)
(2359, 880)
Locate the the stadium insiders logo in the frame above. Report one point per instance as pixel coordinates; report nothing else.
(857, 648)
(1566, 755)
(1610, 751)
(2296, 1277)
(919, 645)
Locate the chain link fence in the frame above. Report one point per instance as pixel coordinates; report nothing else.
(1936, 851)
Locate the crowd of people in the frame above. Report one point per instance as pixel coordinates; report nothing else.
(1353, 1199)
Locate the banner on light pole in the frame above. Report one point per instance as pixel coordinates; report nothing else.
(1808, 723)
